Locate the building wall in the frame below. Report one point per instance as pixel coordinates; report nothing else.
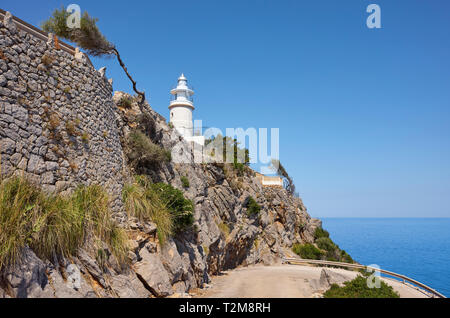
(270, 181)
(181, 118)
(57, 117)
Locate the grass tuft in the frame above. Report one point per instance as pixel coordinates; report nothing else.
(160, 203)
(185, 182)
(54, 225)
(143, 203)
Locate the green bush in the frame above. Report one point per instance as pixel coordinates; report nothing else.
(181, 208)
(142, 152)
(325, 243)
(54, 225)
(144, 203)
(160, 203)
(346, 258)
(253, 208)
(358, 288)
(185, 182)
(320, 232)
(307, 251)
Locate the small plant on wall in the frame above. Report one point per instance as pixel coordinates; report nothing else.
(185, 182)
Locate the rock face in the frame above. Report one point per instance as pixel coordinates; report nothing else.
(61, 126)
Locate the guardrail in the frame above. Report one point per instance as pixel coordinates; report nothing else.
(296, 261)
(40, 34)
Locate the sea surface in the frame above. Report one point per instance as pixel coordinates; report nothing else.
(417, 248)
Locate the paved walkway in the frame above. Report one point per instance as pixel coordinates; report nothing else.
(283, 281)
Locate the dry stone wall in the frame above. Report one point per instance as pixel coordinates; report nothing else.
(57, 117)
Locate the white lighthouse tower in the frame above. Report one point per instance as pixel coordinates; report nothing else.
(181, 108)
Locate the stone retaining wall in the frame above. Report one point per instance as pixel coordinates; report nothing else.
(57, 117)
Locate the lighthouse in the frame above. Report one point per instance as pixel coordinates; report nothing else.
(181, 108)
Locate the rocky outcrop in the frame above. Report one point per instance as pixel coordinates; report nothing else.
(60, 126)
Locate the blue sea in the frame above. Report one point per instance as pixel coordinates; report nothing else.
(417, 248)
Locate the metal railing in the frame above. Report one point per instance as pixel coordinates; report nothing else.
(40, 34)
(296, 261)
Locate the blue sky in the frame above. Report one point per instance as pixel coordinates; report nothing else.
(364, 114)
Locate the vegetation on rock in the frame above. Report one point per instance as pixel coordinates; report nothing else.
(320, 232)
(180, 208)
(161, 203)
(358, 288)
(232, 153)
(307, 251)
(54, 225)
(142, 152)
(253, 208)
(88, 37)
(146, 205)
(185, 182)
(324, 249)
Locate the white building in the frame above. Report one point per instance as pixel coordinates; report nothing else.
(181, 108)
(268, 181)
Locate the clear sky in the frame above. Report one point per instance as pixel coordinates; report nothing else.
(364, 114)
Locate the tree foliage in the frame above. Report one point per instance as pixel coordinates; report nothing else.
(231, 150)
(281, 171)
(88, 37)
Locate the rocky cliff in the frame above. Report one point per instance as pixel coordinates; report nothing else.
(60, 126)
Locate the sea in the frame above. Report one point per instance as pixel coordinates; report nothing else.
(415, 247)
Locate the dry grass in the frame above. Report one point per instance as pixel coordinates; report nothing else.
(54, 225)
(142, 202)
(225, 229)
(47, 60)
(70, 128)
(53, 121)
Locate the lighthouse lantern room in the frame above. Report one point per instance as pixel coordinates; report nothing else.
(181, 107)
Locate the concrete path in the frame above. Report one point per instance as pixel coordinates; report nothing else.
(283, 281)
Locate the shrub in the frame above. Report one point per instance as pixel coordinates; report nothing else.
(54, 225)
(325, 243)
(125, 102)
(181, 208)
(307, 251)
(253, 207)
(358, 288)
(185, 182)
(142, 152)
(161, 203)
(320, 232)
(145, 204)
